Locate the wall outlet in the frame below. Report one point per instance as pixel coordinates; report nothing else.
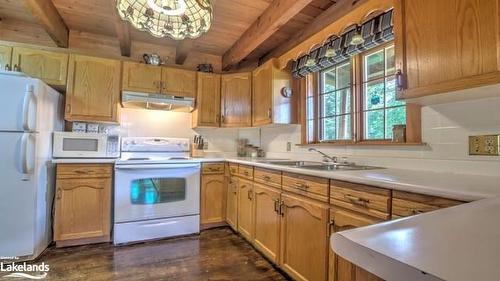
(484, 145)
(288, 146)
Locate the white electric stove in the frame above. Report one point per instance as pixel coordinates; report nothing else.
(157, 190)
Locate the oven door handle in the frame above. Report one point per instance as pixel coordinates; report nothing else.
(156, 166)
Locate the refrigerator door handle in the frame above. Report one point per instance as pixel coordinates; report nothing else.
(29, 97)
(26, 168)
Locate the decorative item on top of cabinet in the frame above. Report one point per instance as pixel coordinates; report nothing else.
(93, 89)
(207, 112)
(267, 221)
(5, 58)
(141, 77)
(304, 238)
(245, 209)
(51, 67)
(213, 194)
(82, 204)
(236, 100)
(339, 268)
(466, 54)
(178, 82)
(406, 204)
(269, 106)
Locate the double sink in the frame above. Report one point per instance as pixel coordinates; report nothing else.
(319, 166)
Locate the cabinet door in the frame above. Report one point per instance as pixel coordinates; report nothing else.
(304, 230)
(232, 203)
(141, 77)
(212, 199)
(267, 221)
(83, 208)
(339, 268)
(262, 103)
(207, 113)
(236, 100)
(245, 209)
(5, 58)
(178, 82)
(51, 67)
(93, 89)
(447, 45)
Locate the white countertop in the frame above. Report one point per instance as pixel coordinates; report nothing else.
(458, 243)
(83, 160)
(448, 185)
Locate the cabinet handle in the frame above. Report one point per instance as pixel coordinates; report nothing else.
(331, 224)
(81, 172)
(267, 178)
(68, 108)
(282, 208)
(357, 200)
(58, 196)
(276, 206)
(416, 212)
(399, 80)
(246, 173)
(223, 119)
(301, 186)
(249, 194)
(269, 113)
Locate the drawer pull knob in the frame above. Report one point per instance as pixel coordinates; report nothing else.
(276, 206)
(357, 200)
(302, 186)
(81, 172)
(267, 178)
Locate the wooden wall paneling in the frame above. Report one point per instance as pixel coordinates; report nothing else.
(96, 43)
(24, 32)
(48, 16)
(277, 14)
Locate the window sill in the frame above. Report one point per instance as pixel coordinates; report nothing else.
(364, 143)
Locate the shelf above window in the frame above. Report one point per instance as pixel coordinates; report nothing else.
(364, 143)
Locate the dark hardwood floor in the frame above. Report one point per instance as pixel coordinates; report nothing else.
(216, 254)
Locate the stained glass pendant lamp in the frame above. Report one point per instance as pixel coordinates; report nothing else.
(176, 19)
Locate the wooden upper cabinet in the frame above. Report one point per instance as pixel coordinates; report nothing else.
(93, 90)
(50, 67)
(268, 105)
(304, 238)
(236, 100)
(447, 45)
(339, 268)
(5, 58)
(178, 82)
(207, 112)
(141, 77)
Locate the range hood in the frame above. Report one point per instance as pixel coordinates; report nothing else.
(157, 101)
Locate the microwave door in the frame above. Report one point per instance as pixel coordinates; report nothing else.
(79, 147)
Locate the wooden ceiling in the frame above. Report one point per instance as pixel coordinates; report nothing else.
(231, 19)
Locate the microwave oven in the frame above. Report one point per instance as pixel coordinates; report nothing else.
(85, 145)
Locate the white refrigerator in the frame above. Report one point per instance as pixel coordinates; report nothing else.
(29, 112)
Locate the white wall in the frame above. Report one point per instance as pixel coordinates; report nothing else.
(445, 129)
(155, 123)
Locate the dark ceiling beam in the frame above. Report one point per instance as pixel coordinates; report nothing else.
(272, 19)
(332, 14)
(49, 18)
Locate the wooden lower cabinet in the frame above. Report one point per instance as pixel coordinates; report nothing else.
(267, 220)
(232, 203)
(82, 204)
(339, 268)
(245, 209)
(304, 238)
(212, 199)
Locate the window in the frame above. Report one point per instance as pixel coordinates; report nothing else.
(335, 103)
(381, 110)
(355, 101)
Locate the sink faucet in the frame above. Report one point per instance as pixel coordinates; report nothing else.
(326, 157)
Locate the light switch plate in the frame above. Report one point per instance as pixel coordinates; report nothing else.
(484, 145)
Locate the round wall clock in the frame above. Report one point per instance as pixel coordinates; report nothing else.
(286, 92)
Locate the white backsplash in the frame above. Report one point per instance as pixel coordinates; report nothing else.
(445, 129)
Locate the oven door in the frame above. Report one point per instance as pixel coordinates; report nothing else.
(153, 191)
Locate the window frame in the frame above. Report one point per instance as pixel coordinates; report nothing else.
(313, 82)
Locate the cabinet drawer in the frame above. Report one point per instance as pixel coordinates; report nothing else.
(245, 171)
(233, 168)
(213, 168)
(69, 171)
(313, 187)
(406, 204)
(268, 177)
(369, 200)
